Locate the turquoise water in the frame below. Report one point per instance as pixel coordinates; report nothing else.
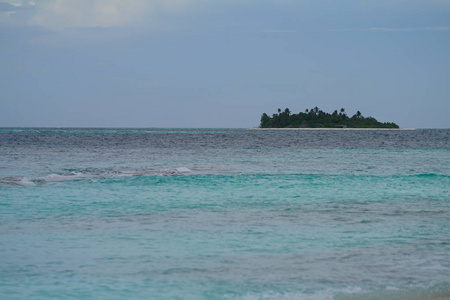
(224, 214)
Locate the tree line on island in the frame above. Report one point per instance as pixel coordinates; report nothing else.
(316, 118)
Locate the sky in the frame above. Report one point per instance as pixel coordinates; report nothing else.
(221, 63)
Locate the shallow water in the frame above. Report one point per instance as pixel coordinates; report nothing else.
(224, 214)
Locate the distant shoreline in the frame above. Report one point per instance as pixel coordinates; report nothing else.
(338, 129)
(316, 118)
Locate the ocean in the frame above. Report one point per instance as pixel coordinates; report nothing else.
(224, 214)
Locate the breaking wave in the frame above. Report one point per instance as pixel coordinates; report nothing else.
(26, 181)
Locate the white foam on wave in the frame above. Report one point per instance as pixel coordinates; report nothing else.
(59, 177)
(16, 181)
(25, 181)
(120, 174)
(183, 170)
(174, 172)
(165, 172)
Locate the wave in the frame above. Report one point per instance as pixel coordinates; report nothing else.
(76, 174)
(16, 181)
(26, 181)
(428, 175)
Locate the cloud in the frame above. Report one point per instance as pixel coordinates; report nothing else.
(381, 29)
(18, 3)
(60, 14)
(438, 28)
(389, 29)
(71, 14)
(15, 12)
(5, 16)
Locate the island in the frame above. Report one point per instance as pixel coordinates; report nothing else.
(316, 118)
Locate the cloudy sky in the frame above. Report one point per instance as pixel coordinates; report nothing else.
(221, 63)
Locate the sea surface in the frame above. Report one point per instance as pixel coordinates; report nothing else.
(224, 214)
